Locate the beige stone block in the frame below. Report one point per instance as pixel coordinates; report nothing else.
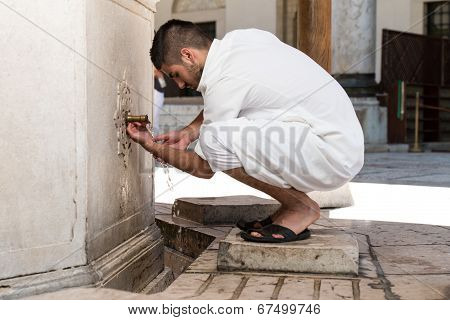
(220, 210)
(326, 251)
(231, 209)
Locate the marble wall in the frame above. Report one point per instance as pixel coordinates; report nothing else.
(68, 196)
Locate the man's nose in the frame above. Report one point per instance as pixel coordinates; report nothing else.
(180, 83)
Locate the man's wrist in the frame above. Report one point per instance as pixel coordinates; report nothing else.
(191, 132)
(149, 145)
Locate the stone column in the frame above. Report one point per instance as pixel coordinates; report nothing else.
(354, 39)
(314, 30)
(76, 200)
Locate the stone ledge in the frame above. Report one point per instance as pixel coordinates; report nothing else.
(326, 251)
(183, 100)
(229, 210)
(223, 210)
(183, 236)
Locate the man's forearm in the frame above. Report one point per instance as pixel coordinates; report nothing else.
(194, 127)
(186, 161)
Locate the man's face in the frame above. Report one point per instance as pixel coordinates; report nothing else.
(186, 75)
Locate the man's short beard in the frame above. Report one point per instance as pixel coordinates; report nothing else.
(196, 70)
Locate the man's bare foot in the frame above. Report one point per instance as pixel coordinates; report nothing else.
(297, 211)
(273, 217)
(296, 218)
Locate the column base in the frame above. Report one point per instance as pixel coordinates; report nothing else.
(130, 266)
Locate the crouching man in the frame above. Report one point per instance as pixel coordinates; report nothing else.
(272, 119)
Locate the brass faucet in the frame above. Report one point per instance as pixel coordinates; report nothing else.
(133, 118)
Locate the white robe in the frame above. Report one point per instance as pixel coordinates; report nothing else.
(272, 110)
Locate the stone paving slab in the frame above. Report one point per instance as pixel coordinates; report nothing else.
(222, 286)
(415, 259)
(438, 179)
(259, 288)
(206, 262)
(336, 290)
(420, 287)
(297, 289)
(326, 251)
(429, 169)
(387, 233)
(186, 286)
(400, 234)
(371, 289)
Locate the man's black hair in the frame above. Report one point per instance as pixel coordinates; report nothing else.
(172, 37)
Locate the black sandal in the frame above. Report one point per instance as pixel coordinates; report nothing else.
(269, 230)
(250, 225)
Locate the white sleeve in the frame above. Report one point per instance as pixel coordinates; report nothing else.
(198, 150)
(225, 100)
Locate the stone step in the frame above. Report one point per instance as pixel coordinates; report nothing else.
(184, 236)
(365, 101)
(230, 209)
(223, 210)
(326, 251)
(160, 283)
(384, 147)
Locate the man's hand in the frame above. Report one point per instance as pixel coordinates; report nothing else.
(172, 150)
(139, 133)
(178, 139)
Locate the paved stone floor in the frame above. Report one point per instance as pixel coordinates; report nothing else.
(424, 169)
(397, 261)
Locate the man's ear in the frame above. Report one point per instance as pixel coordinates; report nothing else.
(187, 55)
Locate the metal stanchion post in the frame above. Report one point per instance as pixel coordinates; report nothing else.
(416, 147)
